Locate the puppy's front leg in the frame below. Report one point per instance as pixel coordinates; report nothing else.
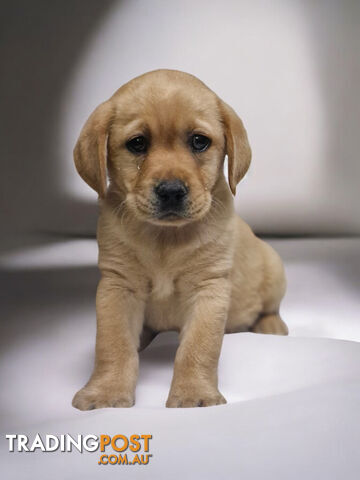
(119, 321)
(195, 382)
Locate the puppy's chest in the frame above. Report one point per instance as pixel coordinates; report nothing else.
(162, 272)
(162, 306)
(162, 285)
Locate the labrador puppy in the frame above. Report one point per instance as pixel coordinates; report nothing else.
(172, 253)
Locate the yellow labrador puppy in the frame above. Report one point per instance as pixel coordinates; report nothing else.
(172, 253)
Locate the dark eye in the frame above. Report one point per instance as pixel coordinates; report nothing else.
(199, 143)
(137, 144)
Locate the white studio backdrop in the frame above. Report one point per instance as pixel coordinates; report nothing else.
(290, 68)
(286, 67)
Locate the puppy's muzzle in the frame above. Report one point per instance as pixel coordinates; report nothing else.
(171, 196)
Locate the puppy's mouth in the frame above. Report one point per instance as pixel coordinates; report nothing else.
(170, 215)
(170, 218)
(164, 212)
(150, 211)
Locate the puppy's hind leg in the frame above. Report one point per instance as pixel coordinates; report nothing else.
(270, 323)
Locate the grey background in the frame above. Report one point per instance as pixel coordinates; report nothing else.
(291, 70)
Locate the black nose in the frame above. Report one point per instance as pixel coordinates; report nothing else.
(171, 193)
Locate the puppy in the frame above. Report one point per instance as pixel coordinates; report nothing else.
(172, 253)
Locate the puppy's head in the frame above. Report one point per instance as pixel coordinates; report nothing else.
(161, 139)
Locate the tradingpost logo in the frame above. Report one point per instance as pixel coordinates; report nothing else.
(113, 450)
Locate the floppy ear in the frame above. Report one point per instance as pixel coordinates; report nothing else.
(237, 146)
(90, 152)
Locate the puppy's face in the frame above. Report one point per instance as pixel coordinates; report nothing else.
(166, 152)
(162, 138)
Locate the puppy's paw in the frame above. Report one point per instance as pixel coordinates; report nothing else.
(89, 398)
(271, 324)
(190, 399)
